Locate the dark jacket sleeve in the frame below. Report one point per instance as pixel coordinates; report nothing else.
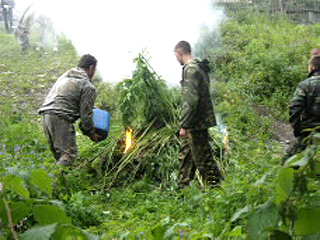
(88, 97)
(297, 108)
(189, 98)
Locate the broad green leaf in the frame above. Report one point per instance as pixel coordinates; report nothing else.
(316, 139)
(16, 184)
(317, 161)
(279, 235)
(158, 232)
(262, 221)
(91, 236)
(311, 237)
(236, 232)
(295, 159)
(12, 171)
(239, 213)
(284, 185)
(314, 201)
(317, 167)
(64, 232)
(3, 213)
(26, 176)
(41, 179)
(299, 164)
(48, 214)
(124, 236)
(261, 180)
(308, 221)
(310, 152)
(170, 232)
(39, 233)
(165, 221)
(19, 211)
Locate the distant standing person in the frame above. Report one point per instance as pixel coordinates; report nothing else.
(7, 6)
(71, 97)
(196, 117)
(305, 107)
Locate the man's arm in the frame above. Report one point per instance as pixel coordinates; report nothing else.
(297, 107)
(88, 97)
(190, 98)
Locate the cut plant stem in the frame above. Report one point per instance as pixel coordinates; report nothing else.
(14, 233)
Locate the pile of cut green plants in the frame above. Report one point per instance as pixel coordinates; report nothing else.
(147, 108)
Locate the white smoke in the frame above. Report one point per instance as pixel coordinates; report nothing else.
(116, 31)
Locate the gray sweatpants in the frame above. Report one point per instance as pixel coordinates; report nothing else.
(61, 137)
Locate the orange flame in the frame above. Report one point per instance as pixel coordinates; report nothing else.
(128, 139)
(226, 141)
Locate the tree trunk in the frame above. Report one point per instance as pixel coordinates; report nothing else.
(281, 5)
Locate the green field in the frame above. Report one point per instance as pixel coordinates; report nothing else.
(108, 195)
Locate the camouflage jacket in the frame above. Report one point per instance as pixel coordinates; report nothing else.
(72, 97)
(305, 106)
(196, 109)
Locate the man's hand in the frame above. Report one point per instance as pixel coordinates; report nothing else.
(96, 137)
(184, 133)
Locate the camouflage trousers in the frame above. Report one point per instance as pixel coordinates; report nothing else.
(61, 137)
(196, 153)
(296, 146)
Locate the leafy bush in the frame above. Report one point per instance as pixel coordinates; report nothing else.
(294, 209)
(264, 58)
(83, 213)
(133, 195)
(20, 208)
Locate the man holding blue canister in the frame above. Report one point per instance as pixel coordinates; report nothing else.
(71, 97)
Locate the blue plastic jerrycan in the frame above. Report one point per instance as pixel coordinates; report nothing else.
(101, 122)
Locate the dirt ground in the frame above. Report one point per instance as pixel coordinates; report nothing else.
(280, 131)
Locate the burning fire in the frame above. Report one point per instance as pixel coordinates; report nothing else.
(226, 141)
(128, 139)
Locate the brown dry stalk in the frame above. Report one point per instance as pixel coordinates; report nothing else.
(14, 233)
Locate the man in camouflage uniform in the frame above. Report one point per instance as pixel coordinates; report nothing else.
(196, 117)
(305, 107)
(71, 97)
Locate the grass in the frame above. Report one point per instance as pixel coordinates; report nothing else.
(141, 208)
(26, 78)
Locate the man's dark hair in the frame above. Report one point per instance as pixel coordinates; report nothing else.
(86, 61)
(315, 62)
(315, 51)
(184, 46)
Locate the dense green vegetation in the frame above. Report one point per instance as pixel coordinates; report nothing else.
(257, 62)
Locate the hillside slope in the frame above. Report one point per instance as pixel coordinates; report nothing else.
(142, 208)
(257, 197)
(26, 78)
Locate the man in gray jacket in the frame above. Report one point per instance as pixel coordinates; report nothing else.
(71, 97)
